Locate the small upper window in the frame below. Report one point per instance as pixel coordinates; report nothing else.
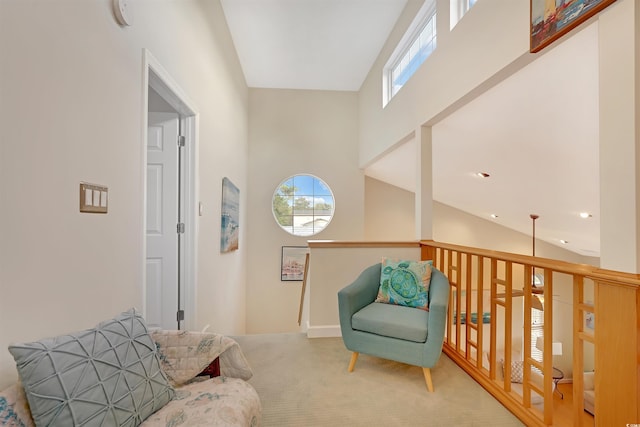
(414, 48)
(303, 205)
(458, 9)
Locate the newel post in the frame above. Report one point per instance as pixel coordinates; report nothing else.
(617, 374)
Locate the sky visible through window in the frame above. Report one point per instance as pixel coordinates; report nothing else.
(309, 186)
(419, 51)
(303, 205)
(414, 48)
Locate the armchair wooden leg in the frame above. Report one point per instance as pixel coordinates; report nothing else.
(352, 363)
(427, 377)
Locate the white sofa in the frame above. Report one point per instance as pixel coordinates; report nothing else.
(516, 376)
(589, 392)
(120, 374)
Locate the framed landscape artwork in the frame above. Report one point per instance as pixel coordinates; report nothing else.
(230, 218)
(292, 263)
(551, 19)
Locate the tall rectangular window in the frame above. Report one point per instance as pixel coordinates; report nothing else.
(414, 48)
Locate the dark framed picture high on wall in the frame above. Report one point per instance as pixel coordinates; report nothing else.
(551, 19)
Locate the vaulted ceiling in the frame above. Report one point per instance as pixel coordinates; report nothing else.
(535, 133)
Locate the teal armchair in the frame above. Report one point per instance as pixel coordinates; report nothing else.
(404, 334)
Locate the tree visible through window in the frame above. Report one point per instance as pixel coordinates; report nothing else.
(303, 205)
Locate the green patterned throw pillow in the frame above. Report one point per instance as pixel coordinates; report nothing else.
(405, 283)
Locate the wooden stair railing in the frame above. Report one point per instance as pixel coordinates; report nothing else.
(613, 298)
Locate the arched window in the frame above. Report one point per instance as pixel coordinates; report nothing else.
(303, 205)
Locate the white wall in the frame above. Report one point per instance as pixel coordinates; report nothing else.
(452, 225)
(386, 220)
(292, 132)
(71, 107)
(619, 63)
(389, 212)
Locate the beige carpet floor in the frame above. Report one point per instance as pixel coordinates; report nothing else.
(304, 382)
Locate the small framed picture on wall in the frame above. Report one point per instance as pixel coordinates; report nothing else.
(292, 263)
(230, 219)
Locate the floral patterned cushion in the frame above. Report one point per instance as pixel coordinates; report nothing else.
(14, 408)
(219, 401)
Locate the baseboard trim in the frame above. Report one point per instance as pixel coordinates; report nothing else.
(329, 331)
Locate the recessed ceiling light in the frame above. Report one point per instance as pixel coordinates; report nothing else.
(494, 216)
(483, 174)
(564, 242)
(585, 215)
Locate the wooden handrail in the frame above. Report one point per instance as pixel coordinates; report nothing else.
(363, 244)
(618, 277)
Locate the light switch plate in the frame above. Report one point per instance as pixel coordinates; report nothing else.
(93, 198)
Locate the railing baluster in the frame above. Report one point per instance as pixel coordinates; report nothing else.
(480, 299)
(468, 307)
(493, 325)
(548, 347)
(578, 349)
(526, 383)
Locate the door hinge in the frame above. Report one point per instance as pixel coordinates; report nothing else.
(180, 228)
(180, 315)
(181, 141)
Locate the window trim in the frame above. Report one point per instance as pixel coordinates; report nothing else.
(458, 9)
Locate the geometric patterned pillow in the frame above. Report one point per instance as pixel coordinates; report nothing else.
(405, 283)
(517, 371)
(108, 375)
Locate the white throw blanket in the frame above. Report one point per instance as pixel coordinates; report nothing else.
(184, 354)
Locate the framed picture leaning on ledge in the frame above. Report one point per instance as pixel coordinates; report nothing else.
(292, 263)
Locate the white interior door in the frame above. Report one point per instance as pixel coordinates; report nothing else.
(162, 220)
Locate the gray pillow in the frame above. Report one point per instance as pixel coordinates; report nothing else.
(108, 375)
